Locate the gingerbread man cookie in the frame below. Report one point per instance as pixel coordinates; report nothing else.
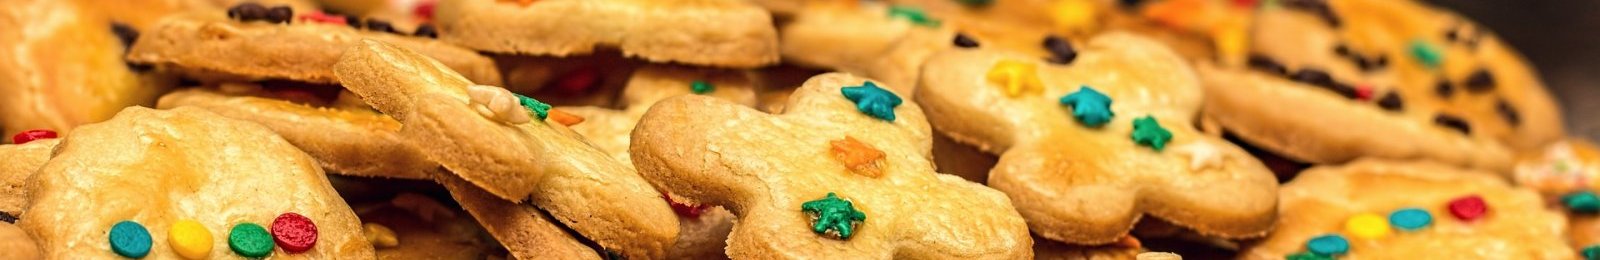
(502, 142)
(345, 136)
(1375, 209)
(844, 172)
(718, 33)
(1090, 145)
(186, 183)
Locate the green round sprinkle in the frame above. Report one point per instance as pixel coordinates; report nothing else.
(538, 108)
(129, 239)
(833, 214)
(1592, 252)
(1582, 202)
(701, 87)
(913, 14)
(1148, 132)
(1427, 54)
(250, 240)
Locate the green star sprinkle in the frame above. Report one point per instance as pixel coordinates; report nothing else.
(538, 108)
(833, 216)
(1148, 132)
(701, 87)
(913, 14)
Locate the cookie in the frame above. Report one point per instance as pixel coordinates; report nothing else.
(524, 230)
(863, 177)
(414, 226)
(657, 31)
(145, 14)
(44, 86)
(1125, 248)
(19, 163)
(1090, 145)
(1399, 210)
(1565, 174)
(211, 47)
(346, 137)
(504, 144)
(15, 244)
(1422, 83)
(186, 182)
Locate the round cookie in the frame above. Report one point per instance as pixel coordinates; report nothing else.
(678, 31)
(151, 168)
(45, 86)
(1455, 214)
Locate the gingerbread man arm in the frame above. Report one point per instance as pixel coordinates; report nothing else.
(1087, 184)
(766, 168)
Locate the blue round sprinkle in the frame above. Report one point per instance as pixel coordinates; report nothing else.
(1410, 219)
(130, 239)
(1328, 245)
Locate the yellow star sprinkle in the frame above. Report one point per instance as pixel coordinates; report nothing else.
(1015, 77)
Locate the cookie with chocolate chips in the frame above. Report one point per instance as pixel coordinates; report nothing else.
(1330, 81)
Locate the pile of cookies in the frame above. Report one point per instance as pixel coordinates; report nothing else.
(779, 129)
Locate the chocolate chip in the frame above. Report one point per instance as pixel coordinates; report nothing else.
(246, 12)
(1382, 61)
(426, 30)
(1451, 35)
(1061, 51)
(1480, 81)
(1343, 89)
(353, 22)
(963, 41)
(1453, 123)
(279, 14)
(1263, 63)
(379, 25)
(1444, 89)
(1343, 51)
(1391, 101)
(1313, 76)
(7, 217)
(1131, 4)
(125, 33)
(1508, 112)
(1318, 7)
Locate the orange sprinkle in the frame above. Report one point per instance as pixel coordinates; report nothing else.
(1129, 242)
(859, 157)
(564, 118)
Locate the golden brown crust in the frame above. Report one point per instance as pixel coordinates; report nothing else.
(350, 141)
(208, 46)
(763, 167)
(655, 30)
(583, 187)
(46, 86)
(1090, 185)
(1320, 200)
(156, 167)
(524, 230)
(15, 244)
(17, 164)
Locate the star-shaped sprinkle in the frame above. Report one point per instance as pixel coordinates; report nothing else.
(859, 157)
(1148, 132)
(533, 105)
(701, 87)
(913, 14)
(872, 100)
(1015, 77)
(1201, 155)
(1090, 107)
(834, 216)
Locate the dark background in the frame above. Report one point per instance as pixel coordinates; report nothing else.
(1562, 40)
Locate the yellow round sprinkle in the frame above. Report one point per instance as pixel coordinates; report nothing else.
(190, 239)
(1367, 226)
(380, 236)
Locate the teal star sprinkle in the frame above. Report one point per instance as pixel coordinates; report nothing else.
(533, 105)
(833, 214)
(1148, 132)
(701, 87)
(1585, 202)
(913, 14)
(872, 100)
(1090, 107)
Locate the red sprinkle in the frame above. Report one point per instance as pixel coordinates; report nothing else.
(1363, 92)
(31, 135)
(321, 17)
(685, 210)
(578, 81)
(1468, 208)
(293, 232)
(423, 10)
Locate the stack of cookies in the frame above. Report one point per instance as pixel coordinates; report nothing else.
(787, 129)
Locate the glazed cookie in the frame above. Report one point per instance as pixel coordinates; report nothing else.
(850, 156)
(257, 45)
(189, 183)
(17, 163)
(1375, 209)
(654, 30)
(502, 143)
(45, 86)
(345, 136)
(1089, 146)
(1422, 83)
